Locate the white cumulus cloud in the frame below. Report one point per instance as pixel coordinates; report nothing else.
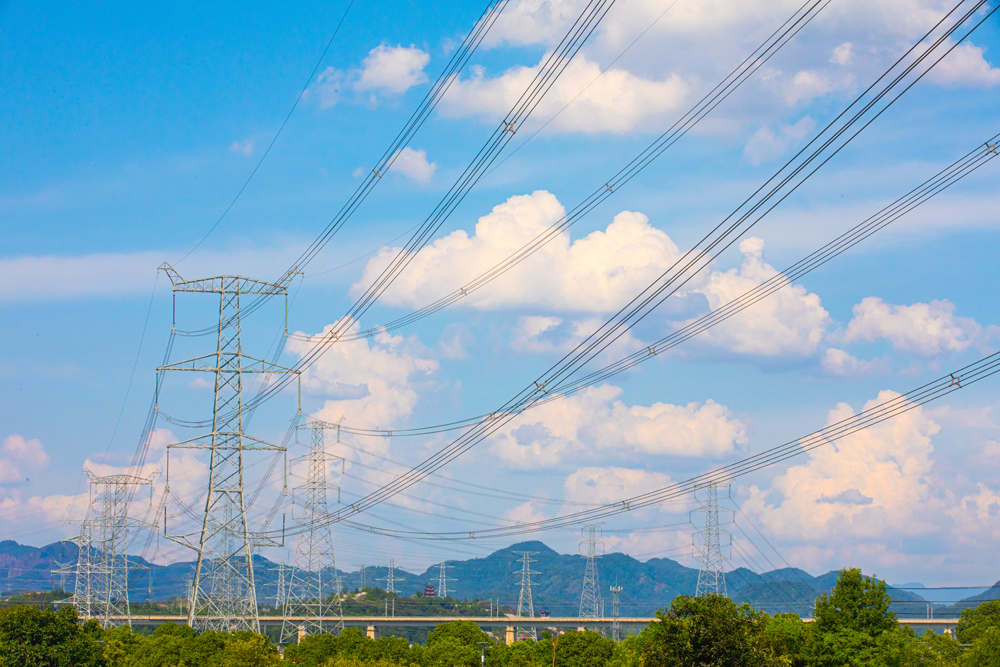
(966, 66)
(20, 455)
(926, 329)
(871, 485)
(599, 272)
(617, 101)
(595, 423)
(791, 321)
(766, 144)
(387, 70)
(414, 165)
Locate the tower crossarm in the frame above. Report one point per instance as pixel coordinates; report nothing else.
(228, 362)
(222, 284)
(226, 440)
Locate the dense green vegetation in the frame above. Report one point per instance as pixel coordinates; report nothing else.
(853, 626)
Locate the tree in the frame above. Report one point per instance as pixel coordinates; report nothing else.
(34, 637)
(710, 630)
(985, 651)
(976, 620)
(465, 633)
(249, 649)
(787, 633)
(857, 603)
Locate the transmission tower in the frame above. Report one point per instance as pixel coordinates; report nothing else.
(223, 595)
(525, 605)
(443, 579)
(616, 626)
(101, 573)
(279, 596)
(363, 584)
(314, 590)
(591, 603)
(711, 575)
(390, 577)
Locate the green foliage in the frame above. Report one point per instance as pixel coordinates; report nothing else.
(976, 620)
(709, 630)
(583, 649)
(466, 633)
(34, 637)
(985, 651)
(39, 599)
(449, 652)
(788, 634)
(857, 603)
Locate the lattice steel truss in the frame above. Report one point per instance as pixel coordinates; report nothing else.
(711, 574)
(223, 595)
(314, 591)
(102, 566)
(525, 604)
(591, 602)
(616, 624)
(443, 579)
(390, 577)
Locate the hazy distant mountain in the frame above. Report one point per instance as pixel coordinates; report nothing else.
(646, 586)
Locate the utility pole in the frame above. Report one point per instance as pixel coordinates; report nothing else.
(711, 574)
(314, 591)
(591, 603)
(525, 604)
(102, 565)
(616, 626)
(223, 594)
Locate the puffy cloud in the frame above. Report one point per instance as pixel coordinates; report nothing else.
(593, 422)
(924, 329)
(842, 54)
(790, 321)
(976, 515)
(871, 485)
(840, 362)
(617, 101)
(19, 455)
(388, 70)
(766, 145)
(966, 66)
(414, 165)
(368, 382)
(596, 273)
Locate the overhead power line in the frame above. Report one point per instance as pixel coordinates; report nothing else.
(865, 109)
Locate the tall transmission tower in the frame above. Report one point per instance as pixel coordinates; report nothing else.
(591, 602)
(443, 579)
(525, 604)
(223, 593)
(314, 590)
(711, 574)
(101, 573)
(279, 596)
(390, 577)
(363, 583)
(616, 625)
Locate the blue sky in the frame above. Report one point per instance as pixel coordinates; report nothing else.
(129, 131)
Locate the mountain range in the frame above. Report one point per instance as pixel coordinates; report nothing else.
(646, 585)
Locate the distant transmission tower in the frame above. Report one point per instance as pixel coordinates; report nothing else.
(525, 605)
(616, 625)
(102, 565)
(711, 575)
(363, 569)
(443, 579)
(591, 603)
(314, 590)
(279, 596)
(223, 593)
(390, 577)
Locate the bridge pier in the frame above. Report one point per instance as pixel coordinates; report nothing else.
(509, 636)
(370, 632)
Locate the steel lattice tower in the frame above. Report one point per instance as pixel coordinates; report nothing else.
(711, 575)
(314, 589)
(591, 603)
(223, 593)
(101, 590)
(443, 579)
(279, 596)
(616, 626)
(525, 604)
(390, 577)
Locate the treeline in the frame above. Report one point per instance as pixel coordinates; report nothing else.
(853, 627)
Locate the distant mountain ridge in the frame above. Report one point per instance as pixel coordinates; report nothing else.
(646, 586)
